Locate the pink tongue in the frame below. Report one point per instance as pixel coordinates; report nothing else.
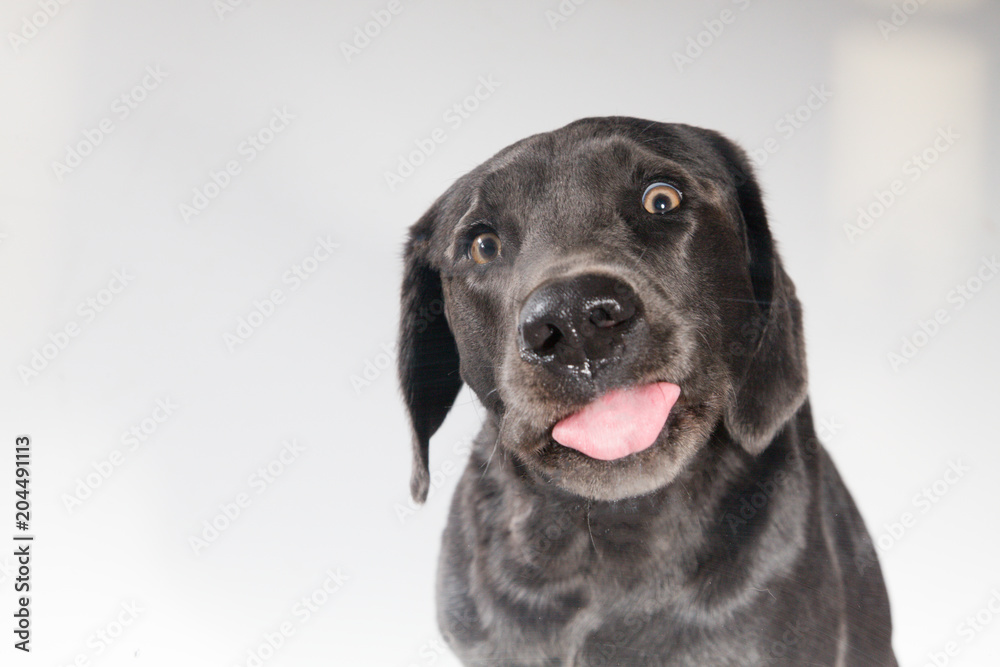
(622, 422)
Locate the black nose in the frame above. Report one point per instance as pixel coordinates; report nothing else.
(576, 323)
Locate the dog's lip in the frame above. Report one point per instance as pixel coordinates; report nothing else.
(570, 410)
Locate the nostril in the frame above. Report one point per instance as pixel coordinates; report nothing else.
(606, 316)
(541, 337)
(601, 318)
(549, 344)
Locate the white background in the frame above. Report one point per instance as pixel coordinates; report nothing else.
(893, 431)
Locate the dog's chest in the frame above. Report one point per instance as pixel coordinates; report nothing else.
(552, 585)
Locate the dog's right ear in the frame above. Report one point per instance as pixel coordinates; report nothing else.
(428, 356)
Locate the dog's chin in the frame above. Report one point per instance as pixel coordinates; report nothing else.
(637, 474)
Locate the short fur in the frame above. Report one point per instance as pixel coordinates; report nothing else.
(731, 540)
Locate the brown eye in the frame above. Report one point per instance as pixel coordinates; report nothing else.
(485, 248)
(660, 198)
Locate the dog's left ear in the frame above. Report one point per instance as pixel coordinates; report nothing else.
(428, 356)
(772, 384)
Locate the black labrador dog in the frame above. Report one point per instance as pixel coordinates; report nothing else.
(648, 488)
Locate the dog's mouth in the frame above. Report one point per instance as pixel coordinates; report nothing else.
(619, 423)
(626, 442)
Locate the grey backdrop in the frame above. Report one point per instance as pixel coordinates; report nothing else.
(200, 256)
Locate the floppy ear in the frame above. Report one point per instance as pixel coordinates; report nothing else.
(428, 356)
(772, 384)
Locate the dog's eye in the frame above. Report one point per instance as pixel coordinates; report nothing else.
(485, 248)
(660, 198)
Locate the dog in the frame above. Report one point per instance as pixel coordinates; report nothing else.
(648, 487)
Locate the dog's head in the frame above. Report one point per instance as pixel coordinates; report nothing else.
(613, 281)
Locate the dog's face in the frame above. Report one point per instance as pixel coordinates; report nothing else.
(585, 275)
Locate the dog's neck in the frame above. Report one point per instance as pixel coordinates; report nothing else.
(718, 495)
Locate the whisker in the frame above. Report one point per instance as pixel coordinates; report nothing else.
(496, 444)
(591, 531)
